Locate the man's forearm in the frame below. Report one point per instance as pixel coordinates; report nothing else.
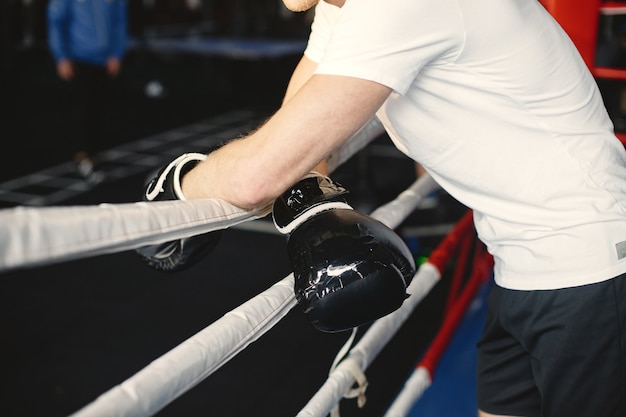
(252, 171)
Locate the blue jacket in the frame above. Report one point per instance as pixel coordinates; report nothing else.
(89, 31)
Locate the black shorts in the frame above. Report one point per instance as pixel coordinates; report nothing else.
(555, 353)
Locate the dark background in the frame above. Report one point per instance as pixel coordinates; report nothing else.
(34, 103)
(71, 331)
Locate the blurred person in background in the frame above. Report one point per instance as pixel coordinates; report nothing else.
(87, 40)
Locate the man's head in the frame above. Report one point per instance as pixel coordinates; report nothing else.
(300, 5)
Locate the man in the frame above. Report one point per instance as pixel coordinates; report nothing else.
(493, 99)
(87, 40)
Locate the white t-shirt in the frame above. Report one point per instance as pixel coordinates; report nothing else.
(494, 100)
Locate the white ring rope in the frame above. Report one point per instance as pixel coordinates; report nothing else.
(396, 211)
(41, 236)
(183, 367)
(196, 358)
(358, 141)
(413, 389)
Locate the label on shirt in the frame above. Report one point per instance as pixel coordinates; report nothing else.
(621, 250)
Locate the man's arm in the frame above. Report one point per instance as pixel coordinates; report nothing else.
(303, 72)
(313, 121)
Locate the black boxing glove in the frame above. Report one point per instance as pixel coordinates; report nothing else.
(183, 253)
(349, 268)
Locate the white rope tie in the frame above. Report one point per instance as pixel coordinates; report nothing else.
(355, 370)
(358, 392)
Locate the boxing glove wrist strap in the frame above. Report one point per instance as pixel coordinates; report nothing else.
(177, 165)
(310, 213)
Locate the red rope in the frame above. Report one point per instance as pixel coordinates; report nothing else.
(449, 246)
(482, 270)
(460, 271)
(461, 241)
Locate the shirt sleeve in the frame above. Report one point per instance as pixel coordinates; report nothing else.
(389, 41)
(57, 15)
(321, 30)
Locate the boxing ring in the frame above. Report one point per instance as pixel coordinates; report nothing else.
(39, 236)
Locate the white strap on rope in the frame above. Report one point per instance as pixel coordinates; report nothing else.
(358, 392)
(359, 377)
(355, 371)
(344, 350)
